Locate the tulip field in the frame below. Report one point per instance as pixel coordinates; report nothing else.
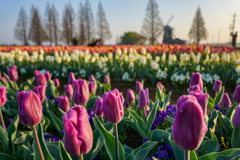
(91, 120)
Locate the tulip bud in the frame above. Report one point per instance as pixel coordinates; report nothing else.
(47, 75)
(160, 86)
(63, 103)
(30, 108)
(71, 77)
(69, 90)
(130, 95)
(185, 98)
(202, 99)
(41, 92)
(12, 73)
(56, 82)
(236, 117)
(112, 106)
(78, 135)
(91, 87)
(97, 107)
(236, 94)
(80, 91)
(36, 73)
(41, 80)
(189, 127)
(195, 88)
(139, 86)
(217, 86)
(143, 100)
(106, 79)
(5, 79)
(196, 79)
(3, 96)
(91, 78)
(226, 102)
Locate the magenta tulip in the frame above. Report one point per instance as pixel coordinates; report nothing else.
(160, 86)
(56, 82)
(63, 103)
(29, 108)
(130, 95)
(71, 77)
(185, 98)
(91, 78)
(91, 87)
(47, 75)
(97, 107)
(41, 79)
(139, 86)
(226, 102)
(196, 79)
(12, 73)
(80, 91)
(78, 135)
(112, 106)
(236, 117)
(143, 100)
(217, 86)
(106, 79)
(236, 94)
(36, 73)
(3, 96)
(195, 88)
(69, 90)
(40, 91)
(202, 99)
(189, 127)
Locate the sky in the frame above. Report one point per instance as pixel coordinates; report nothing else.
(128, 15)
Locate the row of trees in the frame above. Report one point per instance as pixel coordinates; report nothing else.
(51, 31)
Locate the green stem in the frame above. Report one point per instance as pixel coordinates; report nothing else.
(37, 143)
(15, 85)
(116, 141)
(186, 155)
(144, 114)
(2, 121)
(80, 157)
(102, 119)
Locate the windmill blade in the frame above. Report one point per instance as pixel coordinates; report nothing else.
(170, 19)
(161, 30)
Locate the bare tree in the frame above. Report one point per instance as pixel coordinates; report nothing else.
(102, 24)
(55, 24)
(152, 25)
(21, 28)
(49, 23)
(198, 31)
(36, 33)
(82, 30)
(89, 22)
(68, 23)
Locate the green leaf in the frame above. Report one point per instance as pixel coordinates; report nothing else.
(170, 120)
(212, 120)
(159, 94)
(91, 102)
(166, 101)
(151, 117)
(26, 136)
(225, 155)
(51, 89)
(141, 152)
(210, 105)
(231, 111)
(109, 141)
(161, 136)
(56, 122)
(61, 111)
(210, 100)
(63, 152)
(10, 83)
(27, 153)
(219, 96)
(139, 123)
(54, 151)
(6, 157)
(45, 123)
(12, 132)
(226, 124)
(235, 138)
(42, 142)
(4, 140)
(127, 150)
(205, 90)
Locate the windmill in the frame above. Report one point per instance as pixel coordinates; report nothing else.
(168, 34)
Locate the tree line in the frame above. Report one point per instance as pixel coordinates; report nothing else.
(52, 31)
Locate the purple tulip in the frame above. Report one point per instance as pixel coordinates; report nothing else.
(236, 117)
(69, 90)
(36, 73)
(91, 78)
(12, 73)
(91, 87)
(202, 99)
(130, 95)
(159, 84)
(196, 79)
(63, 103)
(185, 98)
(195, 88)
(5, 79)
(71, 77)
(56, 82)
(217, 86)
(40, 91)
(80, 91)
(106, 79)
(139, 86)
(47, 75)
(97, 107)
(236, 94)
(189, 127)
(29, 108)
(78, 135)
(112, 106)
(41, 80)
(3, 96)
(226, 102)
(143, 100)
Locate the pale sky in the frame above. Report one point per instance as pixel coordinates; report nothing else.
(128, 15)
